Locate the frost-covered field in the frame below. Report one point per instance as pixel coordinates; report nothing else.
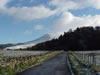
(17, 61)
(96, 53)
(22, 53)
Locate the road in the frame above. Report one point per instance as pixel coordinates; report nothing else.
(55, 66)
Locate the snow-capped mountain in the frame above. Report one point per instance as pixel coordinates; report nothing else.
(44, 38)
(30, 43)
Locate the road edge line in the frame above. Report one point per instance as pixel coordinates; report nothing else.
(69, 65)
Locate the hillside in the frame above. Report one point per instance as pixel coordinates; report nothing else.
(24, 45)
(83, 38)
(2, 46)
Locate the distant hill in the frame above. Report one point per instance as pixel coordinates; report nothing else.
(2, 46)
(83, 38)
(24, 45)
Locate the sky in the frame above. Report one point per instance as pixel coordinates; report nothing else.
(25, 20)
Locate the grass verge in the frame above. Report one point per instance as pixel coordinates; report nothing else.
(14, 66)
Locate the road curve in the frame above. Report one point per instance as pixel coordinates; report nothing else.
(55, 66)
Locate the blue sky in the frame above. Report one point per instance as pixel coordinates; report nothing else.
(25, 20)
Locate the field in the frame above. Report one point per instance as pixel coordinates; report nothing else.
(12, 62)
(85, 62)
(22, 53)
(87, 53)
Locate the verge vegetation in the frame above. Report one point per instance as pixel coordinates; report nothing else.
(12, 65)
(79, 66)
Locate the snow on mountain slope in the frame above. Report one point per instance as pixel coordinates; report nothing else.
(30, 43)
(44, 38)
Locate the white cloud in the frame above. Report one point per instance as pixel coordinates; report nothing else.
(68, 21)
(41, 11)
(26, 13)
(64, 23)
(89, 3)
(63, 5)
(38, 27)
(3, 3)
(29, 13)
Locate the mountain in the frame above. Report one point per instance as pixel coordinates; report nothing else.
(39, 40)
(44, 38)
(83, 38)
(2, 46)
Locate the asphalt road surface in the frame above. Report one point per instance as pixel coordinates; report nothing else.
(55, 66)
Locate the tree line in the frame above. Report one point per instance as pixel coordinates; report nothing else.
(83, 38)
